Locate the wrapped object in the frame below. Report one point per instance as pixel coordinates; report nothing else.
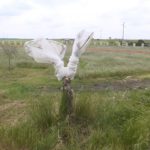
(52, 52)
(80, 44)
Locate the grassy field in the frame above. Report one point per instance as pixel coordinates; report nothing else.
(112, 102)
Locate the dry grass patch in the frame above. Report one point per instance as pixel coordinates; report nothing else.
(12, 112)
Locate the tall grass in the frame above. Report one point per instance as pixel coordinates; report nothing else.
(100, 122)
(44, 112)
(104, 120)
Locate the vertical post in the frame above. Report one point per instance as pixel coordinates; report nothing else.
(123, 33)
(66, 107)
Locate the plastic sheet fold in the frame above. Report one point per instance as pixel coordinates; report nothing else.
(53, 52)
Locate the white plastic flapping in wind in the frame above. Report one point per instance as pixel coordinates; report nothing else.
(49, 51)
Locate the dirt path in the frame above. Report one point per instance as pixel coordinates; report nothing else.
(115, 85)
(127, 84)
(120, 50)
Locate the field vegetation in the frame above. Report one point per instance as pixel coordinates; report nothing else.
(111, 100)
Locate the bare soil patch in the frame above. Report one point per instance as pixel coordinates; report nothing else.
(125, 84)
(120, 50)
(116, 85)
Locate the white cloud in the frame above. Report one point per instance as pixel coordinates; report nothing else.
(64, 18)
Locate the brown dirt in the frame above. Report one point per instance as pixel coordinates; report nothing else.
(120, 50)
(116, 85)
(126, 84)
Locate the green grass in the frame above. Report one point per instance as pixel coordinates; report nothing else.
(110, 64)
(100, 122)
(113, 119)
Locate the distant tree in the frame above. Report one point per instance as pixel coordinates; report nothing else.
(10, 51)
(139, 42)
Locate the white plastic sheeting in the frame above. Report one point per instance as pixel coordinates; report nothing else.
(49, 51)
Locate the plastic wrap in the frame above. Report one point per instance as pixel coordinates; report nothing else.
(80, 44)
(52, 52)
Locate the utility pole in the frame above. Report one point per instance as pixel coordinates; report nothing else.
(123, 25)
(100, 34)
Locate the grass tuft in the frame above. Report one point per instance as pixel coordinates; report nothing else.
(43, 113)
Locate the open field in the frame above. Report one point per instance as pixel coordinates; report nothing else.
(112, 102)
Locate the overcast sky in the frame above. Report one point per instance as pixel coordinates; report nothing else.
(64, 18)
